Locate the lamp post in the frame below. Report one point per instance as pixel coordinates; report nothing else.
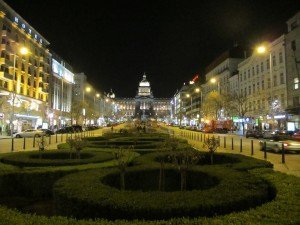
(198, 90)
(22, 51)
(87, 89)
(213, 81)
(191, 103)
(262, 50)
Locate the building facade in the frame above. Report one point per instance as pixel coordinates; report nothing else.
(144, 106)
(24, 79)
(61, 92)
(262, 79)
(292, 58)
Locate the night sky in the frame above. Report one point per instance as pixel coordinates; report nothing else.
(115, 42)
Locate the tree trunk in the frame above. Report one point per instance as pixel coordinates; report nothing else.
(211, 158)
(78, 154)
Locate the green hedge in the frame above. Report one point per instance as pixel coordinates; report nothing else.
(55, 158)
(92, 198)
(234, 161)
(283, 210)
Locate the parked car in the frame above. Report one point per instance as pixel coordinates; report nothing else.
(221, 130)
(207, 130)
(254, 133)
(29, 133)
(47, 132)
(65, 130)
(77, 128)
(275, 145)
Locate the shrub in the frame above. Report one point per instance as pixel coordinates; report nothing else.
(106, 201)
(54, 158)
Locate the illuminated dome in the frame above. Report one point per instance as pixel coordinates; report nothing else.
(144, 82)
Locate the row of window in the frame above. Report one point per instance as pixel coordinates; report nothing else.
(275, 105)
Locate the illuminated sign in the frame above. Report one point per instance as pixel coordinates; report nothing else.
(279, 117)
(61, 71)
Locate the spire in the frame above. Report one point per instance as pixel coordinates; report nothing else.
(144, 76)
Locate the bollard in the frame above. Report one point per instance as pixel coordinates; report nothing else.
(81, 134)
(49, 139)
(12, 144)
(231, 143)
(61, 137)
(241, 145)
(56, 138)
(252, 151)
(71, 135)
(33, 144)
(282, 153)
(24, 143)
(265, 150)
(224, 142)
(201, 137)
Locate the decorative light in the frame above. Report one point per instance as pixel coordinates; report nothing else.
(261, 49)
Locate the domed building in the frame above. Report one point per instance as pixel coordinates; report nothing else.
(144, 106)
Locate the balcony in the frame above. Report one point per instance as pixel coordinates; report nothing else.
(45, 90)
(5, 75)
(6, 62)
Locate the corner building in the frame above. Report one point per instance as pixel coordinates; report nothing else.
(27, 76)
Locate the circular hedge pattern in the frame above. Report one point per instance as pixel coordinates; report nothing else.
(55, 158)
(147, 180)
(85, 195)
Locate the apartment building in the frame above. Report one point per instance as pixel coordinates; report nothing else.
(25, 67)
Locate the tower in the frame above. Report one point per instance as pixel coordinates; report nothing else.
(144, 100)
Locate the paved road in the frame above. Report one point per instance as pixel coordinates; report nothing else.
(292, 161)
(28, 144)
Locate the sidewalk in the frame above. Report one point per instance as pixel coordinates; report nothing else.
(292, 161)
(4, 136)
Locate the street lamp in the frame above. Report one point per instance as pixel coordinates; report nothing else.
(87, 89)
(22, 51)
(191, 103)
(198, 90)
(262, 50)
(213, 81)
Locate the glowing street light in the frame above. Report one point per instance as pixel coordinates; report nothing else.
(22, 51)
(261, 49)
(213, 81)
(88, 89)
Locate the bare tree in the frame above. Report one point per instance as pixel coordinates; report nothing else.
(211, 144)
(237, 105)
(123, 157)
(184, 160)
(213, 104)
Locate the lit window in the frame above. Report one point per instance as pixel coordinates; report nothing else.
(23, 25)
(16, 19)
(296, 83)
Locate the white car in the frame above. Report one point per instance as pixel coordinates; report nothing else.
(275, 145)
(29, 133)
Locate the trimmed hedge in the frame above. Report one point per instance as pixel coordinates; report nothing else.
(236, 191)
(55, 158)
(234, 161)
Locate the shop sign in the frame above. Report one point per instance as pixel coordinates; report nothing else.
(280, 116)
